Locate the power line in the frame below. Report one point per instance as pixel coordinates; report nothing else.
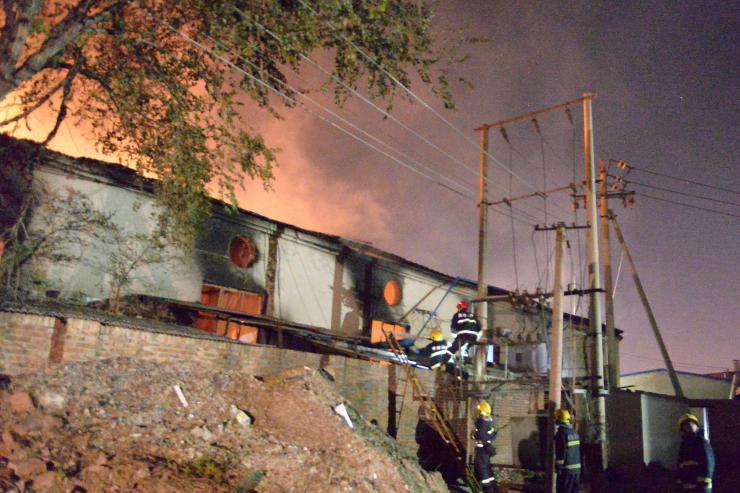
(347, 122)
(682, 193)
(385, 113)
(417, 98)
(339, 81)
(294, 101)
(643, 194)
(326, 120)
(686, 180)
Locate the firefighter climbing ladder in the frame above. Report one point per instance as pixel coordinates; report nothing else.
(431, 411)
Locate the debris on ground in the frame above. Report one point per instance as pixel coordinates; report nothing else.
(124, 425)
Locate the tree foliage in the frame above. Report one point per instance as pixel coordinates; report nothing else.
(173, 110)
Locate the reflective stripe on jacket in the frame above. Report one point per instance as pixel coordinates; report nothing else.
(464, 322)
(567, 450)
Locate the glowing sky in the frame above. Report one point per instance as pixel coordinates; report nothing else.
(666, 77)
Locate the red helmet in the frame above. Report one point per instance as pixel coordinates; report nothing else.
(463, 305)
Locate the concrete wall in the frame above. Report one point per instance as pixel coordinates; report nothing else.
(305, 274)
(626, 453)
(132, 211)
(660, 435)
(693, 386)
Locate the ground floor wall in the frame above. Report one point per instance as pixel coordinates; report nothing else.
(30, 342)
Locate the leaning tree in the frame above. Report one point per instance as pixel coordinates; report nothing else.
(151, 78)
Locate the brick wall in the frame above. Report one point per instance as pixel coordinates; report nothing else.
(32, 342)
(512, 403)
(26, 343)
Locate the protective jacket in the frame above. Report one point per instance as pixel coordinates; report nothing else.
(484, 435)
(695, 463)
(465, 328)
(465, 322)
(567, 459)
(437, 353)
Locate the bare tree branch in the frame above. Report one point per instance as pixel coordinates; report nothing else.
(67, 90)
(16, 30)
(62, 35)
(53, 90)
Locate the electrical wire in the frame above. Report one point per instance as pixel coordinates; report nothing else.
(736, 204)
(296, 102)
(385, 113)
(686, 180)
(513, 230)
(415, 96)
(544, 202)
(355, 127)
(684, 204)
(537, 192)
(324, 119)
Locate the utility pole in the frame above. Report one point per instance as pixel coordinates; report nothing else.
(480, 308)
(556, 354)
(646, 304)
(594, 278)
(612, 351)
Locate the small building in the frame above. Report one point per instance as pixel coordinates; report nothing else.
(694, 385)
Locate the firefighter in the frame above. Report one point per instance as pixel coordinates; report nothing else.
(465, 328)
(437, 351)
(567, 454)
(484, 435)
(695, 457)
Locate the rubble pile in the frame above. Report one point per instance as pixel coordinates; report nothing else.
(130, 425)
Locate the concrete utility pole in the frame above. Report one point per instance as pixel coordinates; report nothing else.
(594, 277)
(556, 354)
(480, 308)
(656, 331)
(612, 351)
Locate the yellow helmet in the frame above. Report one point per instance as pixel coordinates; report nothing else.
(436, 335)
(687, 417)
(562, 415)
(484, 409)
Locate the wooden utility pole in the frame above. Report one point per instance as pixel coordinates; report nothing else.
(643, 297)
(612, 350)
(556, 354)
(480, 308)
(594, 278)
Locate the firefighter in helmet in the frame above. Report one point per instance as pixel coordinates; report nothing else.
(567, 454)
(484, 435)
(437, 351)
(695, 457)
(465, 328)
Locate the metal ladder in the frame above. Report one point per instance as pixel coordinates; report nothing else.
(431, 411)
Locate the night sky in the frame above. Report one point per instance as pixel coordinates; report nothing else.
(666, 79)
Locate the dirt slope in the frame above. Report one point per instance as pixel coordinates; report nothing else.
(119, 425)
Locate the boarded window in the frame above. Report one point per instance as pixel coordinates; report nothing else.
(229, 299)
(392, 292)
(378, 330)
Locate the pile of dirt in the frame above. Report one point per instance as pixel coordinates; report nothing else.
(120, 425)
